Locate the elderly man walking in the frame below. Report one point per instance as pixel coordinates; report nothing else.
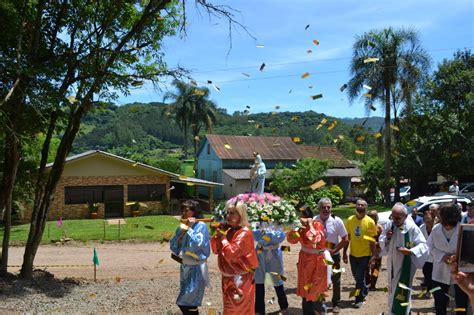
(405, 247)
(362, 233)
(336, 239)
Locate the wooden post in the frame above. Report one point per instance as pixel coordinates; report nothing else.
(119, 231)
(95, 273)
(104, 230)
(211, 199)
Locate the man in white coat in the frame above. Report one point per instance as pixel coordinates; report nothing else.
(405, 247)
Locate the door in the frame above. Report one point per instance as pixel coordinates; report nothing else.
(113, 201)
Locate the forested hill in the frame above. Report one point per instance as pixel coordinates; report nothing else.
(144, 132)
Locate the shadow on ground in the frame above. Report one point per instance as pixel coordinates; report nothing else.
(11, 286)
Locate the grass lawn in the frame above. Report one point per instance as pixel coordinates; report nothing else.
(146, 228)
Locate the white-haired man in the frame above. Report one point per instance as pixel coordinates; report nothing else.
(405, 247)
(336, 239)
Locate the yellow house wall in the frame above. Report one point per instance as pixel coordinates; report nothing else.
(60, 209)
(99, 169)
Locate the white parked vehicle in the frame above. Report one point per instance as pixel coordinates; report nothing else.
(423, 203)
(404, 194)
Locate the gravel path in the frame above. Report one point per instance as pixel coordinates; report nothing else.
(142, 278)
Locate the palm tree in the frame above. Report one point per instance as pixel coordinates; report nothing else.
(191, 109)
(401, 63)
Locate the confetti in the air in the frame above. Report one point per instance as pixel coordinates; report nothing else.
(315, 97)
(371, 59)
(305, 75)
(368, 95)
(309, 51)
(246, 74)
(317, 184)
(377, 135)
(360, 138)
(260, 46)
(367, 87)
(227, 146)
(343, 87)
(296, 139)
(360, 152)
(372, 107)
(315, 41)
(394, 127)
(262, 66)
(306, 27)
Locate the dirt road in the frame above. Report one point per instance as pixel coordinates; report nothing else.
(143, 278)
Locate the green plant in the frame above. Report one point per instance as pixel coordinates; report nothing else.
(93, 207)
(311, 198)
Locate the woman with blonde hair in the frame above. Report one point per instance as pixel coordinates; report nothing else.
(234, 245)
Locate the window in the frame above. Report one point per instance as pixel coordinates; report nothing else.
(203, 174)
(74, 195)
(153, 192)
(208, 149)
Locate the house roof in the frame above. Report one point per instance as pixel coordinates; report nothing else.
(176, 178)
(325, 152)
(242, 147)
(343, 172)
(242, 173)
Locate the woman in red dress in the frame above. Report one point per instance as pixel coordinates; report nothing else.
(237, 259)
(313, 273)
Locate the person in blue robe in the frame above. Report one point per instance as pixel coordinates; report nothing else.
(191, 243)
(270, 267)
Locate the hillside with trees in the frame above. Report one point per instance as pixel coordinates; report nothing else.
(147, 132)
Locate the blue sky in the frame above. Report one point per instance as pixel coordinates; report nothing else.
(443, 27)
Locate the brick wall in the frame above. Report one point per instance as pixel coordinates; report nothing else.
(59, 209)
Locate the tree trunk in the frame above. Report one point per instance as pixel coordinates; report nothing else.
(41, 206)
(10, 167)
(388, 148)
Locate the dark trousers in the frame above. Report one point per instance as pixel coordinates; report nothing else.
(358, 266)
(427, 272)
(189, 310)
(336, 280)
(309, 307)
(260, 297)
(441, 300)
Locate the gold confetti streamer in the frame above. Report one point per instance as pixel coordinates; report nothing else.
(360, 138)
(316, 42)
(227, 146)
(377, 135)
(368, 95)
(305, 75)
(394, 127)
(371, 59)
(296, 139)
(360, 152)
(318, 184)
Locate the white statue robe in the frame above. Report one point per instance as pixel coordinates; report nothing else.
(419, 254)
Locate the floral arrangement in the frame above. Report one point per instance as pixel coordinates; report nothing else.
(265, 209)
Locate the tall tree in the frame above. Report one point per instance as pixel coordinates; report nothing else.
(191, 110)
(74, 56)
(398, 55)
(437, 133)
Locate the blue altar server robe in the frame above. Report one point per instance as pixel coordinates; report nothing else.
(194, 275)
(270, 258)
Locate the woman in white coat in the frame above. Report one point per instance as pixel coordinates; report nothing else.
(442, 245)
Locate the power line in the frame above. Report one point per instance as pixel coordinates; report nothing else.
(304, 62)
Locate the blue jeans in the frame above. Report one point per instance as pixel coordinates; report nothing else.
(358, 266)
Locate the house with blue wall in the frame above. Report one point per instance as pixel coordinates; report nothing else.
(227, 159)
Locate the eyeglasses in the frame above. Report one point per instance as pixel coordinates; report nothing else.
(325, 207)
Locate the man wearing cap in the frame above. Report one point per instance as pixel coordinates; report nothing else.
(336, 239)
